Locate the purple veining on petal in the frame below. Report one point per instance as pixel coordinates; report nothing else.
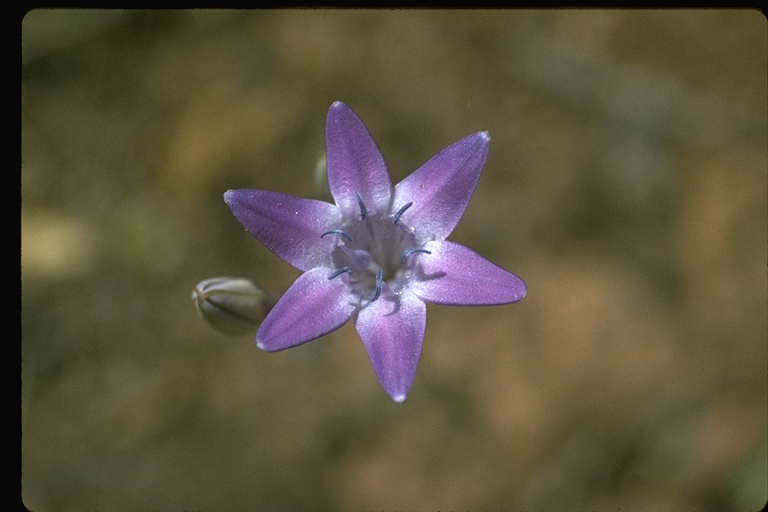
(392, 330)
(314, 305)
(441, 188)
(288, 226)
(456, 275)
(355, 165)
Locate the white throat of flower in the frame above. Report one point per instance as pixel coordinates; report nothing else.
(372, 250)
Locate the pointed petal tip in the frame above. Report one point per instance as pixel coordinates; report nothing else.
(269, 346)
(517, 289)
(399, 398)
(231, 196)
(485, 135)
(522, 290)
(260, 344)
(338, 104)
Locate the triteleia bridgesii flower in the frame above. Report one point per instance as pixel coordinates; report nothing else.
(379, 253)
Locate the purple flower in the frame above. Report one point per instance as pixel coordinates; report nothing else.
(379, 253)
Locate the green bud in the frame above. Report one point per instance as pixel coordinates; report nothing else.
(321, 177)
(233, 305)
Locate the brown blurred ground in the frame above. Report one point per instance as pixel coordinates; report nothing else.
(626, 184)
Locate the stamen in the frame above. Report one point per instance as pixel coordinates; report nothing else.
(339, 272)
(337, 232)
(379, 280)
(400, 212)
(414, 251)
(363, 209)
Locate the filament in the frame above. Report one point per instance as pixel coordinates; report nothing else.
(337, 232)
(400, 212)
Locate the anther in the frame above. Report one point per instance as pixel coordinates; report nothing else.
(363, 209)
(379, 280)
(339, 272)
(337, 232)
(414, 251)
(400, 212)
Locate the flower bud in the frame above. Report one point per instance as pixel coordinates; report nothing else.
(321, 177)
(233, 305)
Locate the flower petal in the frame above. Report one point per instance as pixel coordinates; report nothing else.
(441, 188)
(456, 275)
(313, 306)
(392, 329)
(355, 164)
(289, 226)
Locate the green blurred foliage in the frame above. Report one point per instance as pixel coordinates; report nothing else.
(626, 183)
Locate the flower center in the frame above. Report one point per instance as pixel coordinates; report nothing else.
(373, 249)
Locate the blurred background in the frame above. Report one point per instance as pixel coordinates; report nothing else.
(626, 183)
